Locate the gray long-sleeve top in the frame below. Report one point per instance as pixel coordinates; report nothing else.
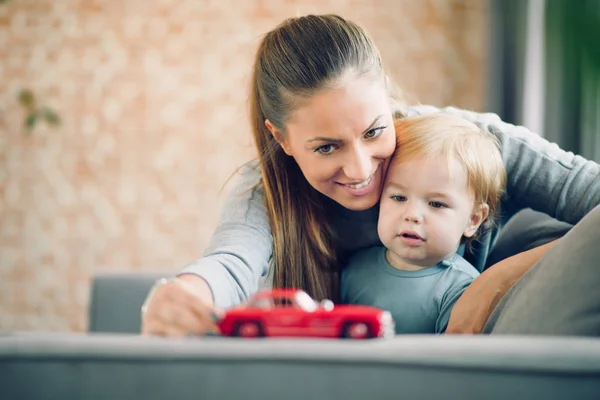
(540, 176)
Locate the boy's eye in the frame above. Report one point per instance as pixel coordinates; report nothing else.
(398, 198)
(437, 204)
(375, 132)
(325, 149)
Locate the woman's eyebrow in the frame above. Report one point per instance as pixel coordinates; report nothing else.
(323, 139)
(377, 118)
(326, 139)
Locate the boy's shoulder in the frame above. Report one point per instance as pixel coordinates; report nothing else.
(457, 265)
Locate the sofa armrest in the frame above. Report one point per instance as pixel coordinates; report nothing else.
(116, 301)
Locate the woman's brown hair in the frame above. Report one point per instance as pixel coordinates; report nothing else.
(294, 61)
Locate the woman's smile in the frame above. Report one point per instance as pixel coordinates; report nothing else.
(361, 188)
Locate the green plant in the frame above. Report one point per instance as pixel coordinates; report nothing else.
(35, 113)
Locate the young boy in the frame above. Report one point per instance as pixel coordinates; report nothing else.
(444, 180)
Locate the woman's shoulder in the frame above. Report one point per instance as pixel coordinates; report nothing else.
(515, 140)
(247, 175)
(482, 119)
(245, 200)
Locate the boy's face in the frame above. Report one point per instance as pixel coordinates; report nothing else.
(426, 208)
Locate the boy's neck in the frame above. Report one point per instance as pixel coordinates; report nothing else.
(403, 265)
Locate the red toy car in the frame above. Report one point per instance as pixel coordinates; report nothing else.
(290, 312)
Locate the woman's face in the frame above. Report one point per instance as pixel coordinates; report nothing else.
(342, 139)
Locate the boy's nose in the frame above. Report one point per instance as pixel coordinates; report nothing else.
(413, 214)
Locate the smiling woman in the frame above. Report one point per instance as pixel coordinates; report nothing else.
(323, 129)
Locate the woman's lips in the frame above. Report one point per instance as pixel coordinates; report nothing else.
(359, 185)
(362, 188)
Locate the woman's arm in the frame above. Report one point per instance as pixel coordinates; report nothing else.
(227, 273)
(241, 247)
(540, 175)
(471, 311)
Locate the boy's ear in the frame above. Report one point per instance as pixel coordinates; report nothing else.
(480, 213)
(278, 136)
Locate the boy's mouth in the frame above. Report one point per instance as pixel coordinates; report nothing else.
(411, 235)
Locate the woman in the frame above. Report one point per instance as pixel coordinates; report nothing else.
(322, 117)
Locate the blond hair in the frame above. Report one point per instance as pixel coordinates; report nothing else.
(443, 135)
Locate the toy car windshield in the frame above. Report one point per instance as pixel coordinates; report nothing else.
(300, 300)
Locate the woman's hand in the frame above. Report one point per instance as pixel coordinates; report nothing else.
(473, 308)
(180, 307)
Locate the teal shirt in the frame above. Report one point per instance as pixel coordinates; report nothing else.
(420, 301)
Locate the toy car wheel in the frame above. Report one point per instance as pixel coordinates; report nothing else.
(356, 330)
(249, 329)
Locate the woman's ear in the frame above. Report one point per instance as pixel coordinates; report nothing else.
(278, 136)
(480, 213)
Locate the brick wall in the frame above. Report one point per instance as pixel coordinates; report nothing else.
(152, 95)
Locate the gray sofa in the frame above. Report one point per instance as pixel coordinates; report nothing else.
(113, 362)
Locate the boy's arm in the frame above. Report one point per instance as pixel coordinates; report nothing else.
(449, 299)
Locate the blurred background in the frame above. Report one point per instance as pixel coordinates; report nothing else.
(121, 121)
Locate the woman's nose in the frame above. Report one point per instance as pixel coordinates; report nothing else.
(358, 165)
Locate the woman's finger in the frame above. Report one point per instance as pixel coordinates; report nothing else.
(190, 322)
(196, 302)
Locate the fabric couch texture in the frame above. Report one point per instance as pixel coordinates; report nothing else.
(103, 366)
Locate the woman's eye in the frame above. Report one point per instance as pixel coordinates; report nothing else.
(373, 133)
(398, 198)
(437, 204)
(325, 149)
